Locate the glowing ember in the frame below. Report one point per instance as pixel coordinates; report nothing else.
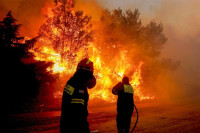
(64, 40)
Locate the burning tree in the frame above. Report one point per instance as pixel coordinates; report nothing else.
(66, 30)
(64, 38)
(121, 46)
(124, 29)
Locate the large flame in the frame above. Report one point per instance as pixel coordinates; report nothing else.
(107, 75)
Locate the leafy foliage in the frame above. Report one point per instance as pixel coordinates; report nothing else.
(145, 43)
(21, 73)
(67, 31)
(126, 27)
(9, 31)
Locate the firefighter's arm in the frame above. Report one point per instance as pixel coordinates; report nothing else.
(91, 83)
(116, 89)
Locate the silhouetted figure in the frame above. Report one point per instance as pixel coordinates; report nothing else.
(75, 98)
(125, 104)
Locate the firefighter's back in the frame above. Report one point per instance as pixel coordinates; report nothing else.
(74, 103)
(125, 101)
(124, 106)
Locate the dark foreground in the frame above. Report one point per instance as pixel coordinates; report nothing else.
(153, 118)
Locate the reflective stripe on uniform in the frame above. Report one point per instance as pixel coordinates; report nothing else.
(89, 69)
(128, 89)
(69, 89)
(78, 101)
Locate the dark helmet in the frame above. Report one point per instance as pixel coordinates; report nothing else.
(86, 64)
(125, 79)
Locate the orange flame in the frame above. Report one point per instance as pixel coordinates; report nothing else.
(107, 76)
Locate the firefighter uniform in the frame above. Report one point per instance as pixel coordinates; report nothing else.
(75, 98)
(125, 104)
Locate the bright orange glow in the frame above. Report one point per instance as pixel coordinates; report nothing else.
(107, 75)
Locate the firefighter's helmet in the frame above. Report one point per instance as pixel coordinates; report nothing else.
(125, 79)
(86, 64)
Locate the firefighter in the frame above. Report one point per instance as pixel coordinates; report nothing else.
(75, 98)
(125, 104)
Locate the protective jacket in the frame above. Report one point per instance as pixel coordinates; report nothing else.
(125, 104)
(74, 102)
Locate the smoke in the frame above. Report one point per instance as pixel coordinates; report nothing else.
(31, 13)
(28, 13)
(180, 20)
(90, 7)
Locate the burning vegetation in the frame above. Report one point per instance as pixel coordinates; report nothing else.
(117, 43)
(67, 36)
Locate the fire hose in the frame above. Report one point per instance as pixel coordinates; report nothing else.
(136, 119)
